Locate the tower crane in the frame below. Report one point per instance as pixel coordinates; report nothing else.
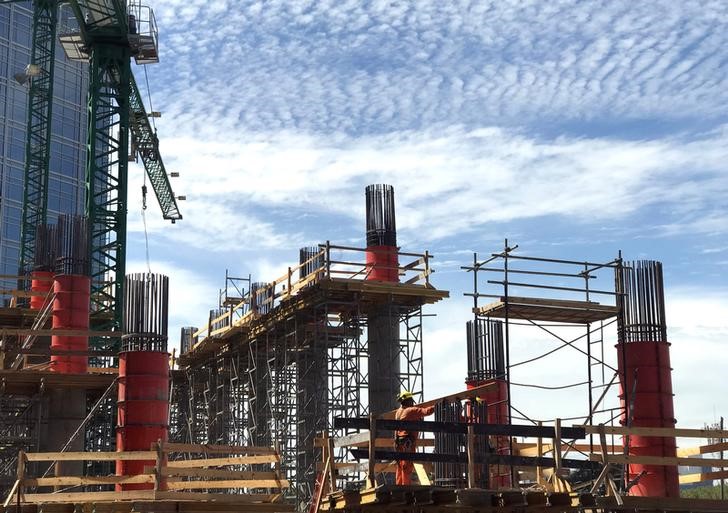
(108, 35)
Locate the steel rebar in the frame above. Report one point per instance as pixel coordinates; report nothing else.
(146, 299)
(380, 216)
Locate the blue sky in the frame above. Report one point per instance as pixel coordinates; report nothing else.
(575, 129)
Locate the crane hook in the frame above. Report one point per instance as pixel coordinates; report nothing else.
(144, 197)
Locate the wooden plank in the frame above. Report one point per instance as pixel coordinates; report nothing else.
(372, 450)
(703, 449)
(221, 462)
(422, 476)
(158, 477)
(664, 460)
(12, 493)
(493, 459)
(531, 449)
(557, 446)
(88, 480)
(92, 456)
(197, 506)
(706, 476)
(215, 449)
(362, 440)
(217, 473)
(228, 483)
(322, 478)
(462, 395)
(660, 432)
(21, 332)
(539, 454)
(556, 302)
(248, 498)
(332, 471)
(36, 498)
(471, 457)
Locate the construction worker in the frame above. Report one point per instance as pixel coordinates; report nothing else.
(405, 440)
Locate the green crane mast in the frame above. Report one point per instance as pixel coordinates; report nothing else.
(110, 33)
(38, 134)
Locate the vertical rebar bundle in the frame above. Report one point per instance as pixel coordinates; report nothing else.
(311, 260)
(220, 323)
(380, 218)
(46, 247)
(72, 236)
(486, 353)
(186, 339)
(643, 302)
(261, 297)
(146, 298)
(448, 474)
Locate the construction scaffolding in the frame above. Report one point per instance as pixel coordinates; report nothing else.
(575, 302)
(277, 367)
(41, 407)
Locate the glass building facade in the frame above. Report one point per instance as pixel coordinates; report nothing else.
(68, 128)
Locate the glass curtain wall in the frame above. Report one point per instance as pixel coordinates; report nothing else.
(68, 127)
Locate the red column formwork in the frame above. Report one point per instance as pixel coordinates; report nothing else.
(382, 263)
(41, 282)
(143, 408)
(651, 404)
(70, 312)
(496, 400)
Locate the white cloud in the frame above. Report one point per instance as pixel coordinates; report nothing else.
(243, 188)
(371, 66)
(278, 113)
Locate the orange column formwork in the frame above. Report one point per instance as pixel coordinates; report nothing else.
(651, 404)
(382, 263)
(70, 312)
(142, 408)
(41, 283)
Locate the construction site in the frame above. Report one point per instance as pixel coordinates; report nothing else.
(283, 396)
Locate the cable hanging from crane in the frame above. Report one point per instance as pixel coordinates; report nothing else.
(149, 95)
(144, 222)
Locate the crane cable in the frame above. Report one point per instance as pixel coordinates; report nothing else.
(149, 95)
(144, 185)
(144, 221)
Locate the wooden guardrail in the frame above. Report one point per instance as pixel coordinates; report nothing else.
(599, 456)
(472, 459)
(170, 479)
(414, 269)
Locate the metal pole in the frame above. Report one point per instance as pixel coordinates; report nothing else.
(722, 479)
(506, 253)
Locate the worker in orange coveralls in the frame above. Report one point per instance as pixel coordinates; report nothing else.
(406, 441)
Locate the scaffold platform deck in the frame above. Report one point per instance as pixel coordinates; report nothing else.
(548, 310)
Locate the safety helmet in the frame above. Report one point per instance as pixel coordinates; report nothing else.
(404, 395)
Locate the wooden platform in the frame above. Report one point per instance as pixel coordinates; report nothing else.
(421, 499)
(28, 382)
(338, 292)
(549, 310)
(164, 503)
